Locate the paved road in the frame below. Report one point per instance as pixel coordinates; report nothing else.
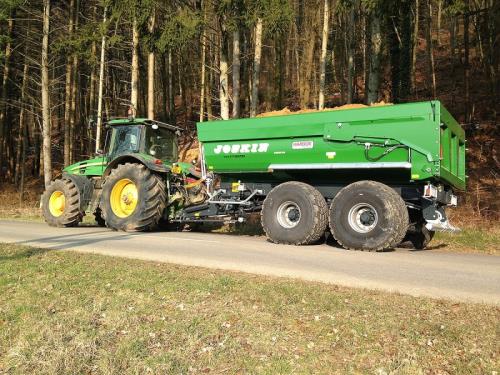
(463, 277)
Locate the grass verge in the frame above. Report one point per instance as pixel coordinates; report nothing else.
(63, 312)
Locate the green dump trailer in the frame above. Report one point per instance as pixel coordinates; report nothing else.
(373, 176)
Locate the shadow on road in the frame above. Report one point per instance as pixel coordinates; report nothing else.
(74, 240)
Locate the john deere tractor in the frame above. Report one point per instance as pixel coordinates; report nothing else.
(125, 186)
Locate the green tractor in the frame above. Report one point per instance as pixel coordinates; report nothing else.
(125, 186)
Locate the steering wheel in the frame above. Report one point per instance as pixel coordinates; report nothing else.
(153, 147)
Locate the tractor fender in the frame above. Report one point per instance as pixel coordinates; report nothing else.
(135, 158)
(85, 188)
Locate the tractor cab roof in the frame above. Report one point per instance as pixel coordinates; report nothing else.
(142, 121)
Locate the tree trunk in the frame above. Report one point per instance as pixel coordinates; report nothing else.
(256, 68)
(151, 73)
(308, 34)
(171, 94)
(322, 61)
(91, 104)
(395, 54)
(439, 15)
(406, 50)
(375, 52)
(203, 73)
(46, 127)
(224, 76)
(74, 114)
(101, 85)
(350, 54)
(416, 21)
(236, 73)
(467, 117)
(429, 47)
(21, 144)
(134, 94)
(68, 91)
(3, 98)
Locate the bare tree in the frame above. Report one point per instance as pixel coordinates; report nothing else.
(3, 98)
(101, 83)
(46, 126)
(322, 61)
(236, 73)
(134, 94)
(223, 74)
(375, 52)
(67, 90)
(429, 47)
(256, 68)
(151, 73)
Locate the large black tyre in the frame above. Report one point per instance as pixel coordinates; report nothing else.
(61, 204)
(149, 198)
(294, 213)
(368, 215)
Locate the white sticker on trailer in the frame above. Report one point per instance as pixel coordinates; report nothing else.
(301, 145)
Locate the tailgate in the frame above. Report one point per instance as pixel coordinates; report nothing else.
(452, 150)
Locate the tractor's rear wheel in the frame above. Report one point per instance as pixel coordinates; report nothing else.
(133, 198)
(368, 215)
(61, 204)
(294, 213)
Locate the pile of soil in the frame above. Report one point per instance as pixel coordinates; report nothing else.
(286, 111)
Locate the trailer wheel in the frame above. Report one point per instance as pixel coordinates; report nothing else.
(294, 213)
(368, 215)
(133, 198)
(61, 204)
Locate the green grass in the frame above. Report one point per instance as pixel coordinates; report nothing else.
(64, 312)
(470, 240)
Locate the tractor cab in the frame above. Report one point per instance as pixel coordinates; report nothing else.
(149, 138)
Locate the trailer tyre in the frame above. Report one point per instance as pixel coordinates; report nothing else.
(133, 198)
(61, 204)
(368, 215)
(294, 213)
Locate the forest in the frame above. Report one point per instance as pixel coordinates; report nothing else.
(69, 66)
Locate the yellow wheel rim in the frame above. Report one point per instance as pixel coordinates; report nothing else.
(124, 198)
(57, 202)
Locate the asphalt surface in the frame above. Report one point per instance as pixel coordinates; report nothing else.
(432, 273)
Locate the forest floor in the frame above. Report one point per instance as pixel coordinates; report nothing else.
(81, 313)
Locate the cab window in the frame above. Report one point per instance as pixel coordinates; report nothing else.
(125, 139)
(161, 143)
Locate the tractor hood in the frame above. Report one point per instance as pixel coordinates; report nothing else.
(91, 167)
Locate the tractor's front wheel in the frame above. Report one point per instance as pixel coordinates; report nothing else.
(133, 198)
(61, 204)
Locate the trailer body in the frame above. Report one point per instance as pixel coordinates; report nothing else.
(422, 140)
